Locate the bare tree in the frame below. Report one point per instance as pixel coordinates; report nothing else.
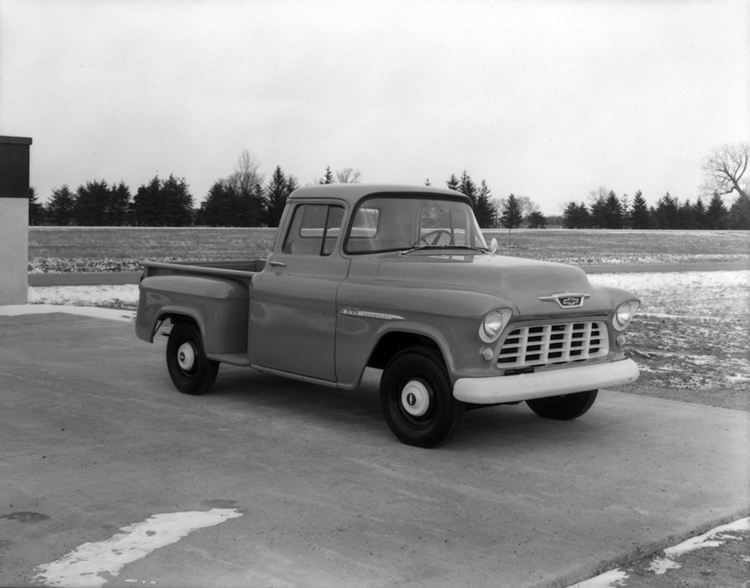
(725, 170)
(348, 176)
(246, 175)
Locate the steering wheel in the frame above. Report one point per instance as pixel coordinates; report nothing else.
(435, 234)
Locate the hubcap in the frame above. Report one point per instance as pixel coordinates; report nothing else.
(415, 398)
(186, 356)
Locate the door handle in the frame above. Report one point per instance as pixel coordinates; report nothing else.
(277, 263)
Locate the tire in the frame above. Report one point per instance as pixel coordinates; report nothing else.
(191, 371)
(565, 407)
(416, 398)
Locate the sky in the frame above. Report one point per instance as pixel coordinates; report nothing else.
(547, 99)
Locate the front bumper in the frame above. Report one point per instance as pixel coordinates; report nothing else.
(499, 389)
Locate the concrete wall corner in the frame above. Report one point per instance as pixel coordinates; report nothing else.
(14, 219)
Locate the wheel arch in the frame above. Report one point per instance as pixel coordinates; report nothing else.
(390, 343)
(176, 315)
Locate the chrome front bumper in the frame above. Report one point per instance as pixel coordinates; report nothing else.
(498, 389)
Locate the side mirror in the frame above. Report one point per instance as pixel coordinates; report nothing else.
(494, 246)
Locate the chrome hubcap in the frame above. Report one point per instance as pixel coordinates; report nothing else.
(415, 398)
(186, 356)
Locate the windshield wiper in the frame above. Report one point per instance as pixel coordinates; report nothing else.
(426, 247)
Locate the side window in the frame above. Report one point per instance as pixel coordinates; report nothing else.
(314, 229)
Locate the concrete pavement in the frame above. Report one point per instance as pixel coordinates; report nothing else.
(95, 439)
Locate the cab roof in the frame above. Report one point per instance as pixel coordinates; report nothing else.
(353, 193)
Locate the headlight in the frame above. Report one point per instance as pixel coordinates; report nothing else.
(493, 324)
(624, 313)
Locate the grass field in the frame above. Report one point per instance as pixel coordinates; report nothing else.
(124, 248)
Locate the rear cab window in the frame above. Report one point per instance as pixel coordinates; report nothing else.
(314, 230)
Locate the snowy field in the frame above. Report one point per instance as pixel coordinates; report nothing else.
(692, 333)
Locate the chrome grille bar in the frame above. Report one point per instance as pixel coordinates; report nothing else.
(553, 344)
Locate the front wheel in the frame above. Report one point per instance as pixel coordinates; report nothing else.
(416, 398)
(565, 407)
(191, 371)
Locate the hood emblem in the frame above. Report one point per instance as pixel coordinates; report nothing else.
(567, 299)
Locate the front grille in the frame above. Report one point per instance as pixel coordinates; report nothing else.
(553, 344)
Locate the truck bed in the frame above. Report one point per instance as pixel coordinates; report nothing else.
(237, 269)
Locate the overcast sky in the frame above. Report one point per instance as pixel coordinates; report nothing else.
(545, 99)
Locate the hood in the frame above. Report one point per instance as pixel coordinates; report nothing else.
(518, 282)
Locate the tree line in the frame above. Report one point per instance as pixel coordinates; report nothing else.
(245, 198)
(607, 210)
(725, 174)
(242, 199)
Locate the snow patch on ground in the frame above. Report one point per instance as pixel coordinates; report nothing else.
(114, 314)
(91, 565)
(118, 296)
(662, 563)
(610, 579)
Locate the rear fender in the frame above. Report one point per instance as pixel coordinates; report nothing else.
(218, 307)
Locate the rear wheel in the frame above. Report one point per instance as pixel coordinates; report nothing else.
(565, 407)
(416, 398)
(191, 371)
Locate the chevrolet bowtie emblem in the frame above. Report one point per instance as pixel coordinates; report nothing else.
(567, 299)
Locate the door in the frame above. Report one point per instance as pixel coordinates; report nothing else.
(293, 301)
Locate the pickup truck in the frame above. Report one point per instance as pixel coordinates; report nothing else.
(399, 279)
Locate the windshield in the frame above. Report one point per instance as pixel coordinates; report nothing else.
(399, 224)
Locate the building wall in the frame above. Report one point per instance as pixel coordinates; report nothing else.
(14, 247)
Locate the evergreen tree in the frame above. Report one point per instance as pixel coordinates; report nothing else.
(598, 213)
(700, 214)
(483, 210)
(163, 203)
(625, 209)
(36, 209)
(716, 214)
(467, 187)
(687, 218)
(257, 207)
(613, 212)
(147, 210)
(278, 190)
(219, 209)
(179, 202)
(576, 216)
(536, 220)
(117, 205)
(453, 183)
(667, 212)
(511, 216)
(91, 203)
(639, 214)
(739, 213)
(60, 207)
(327, 177)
